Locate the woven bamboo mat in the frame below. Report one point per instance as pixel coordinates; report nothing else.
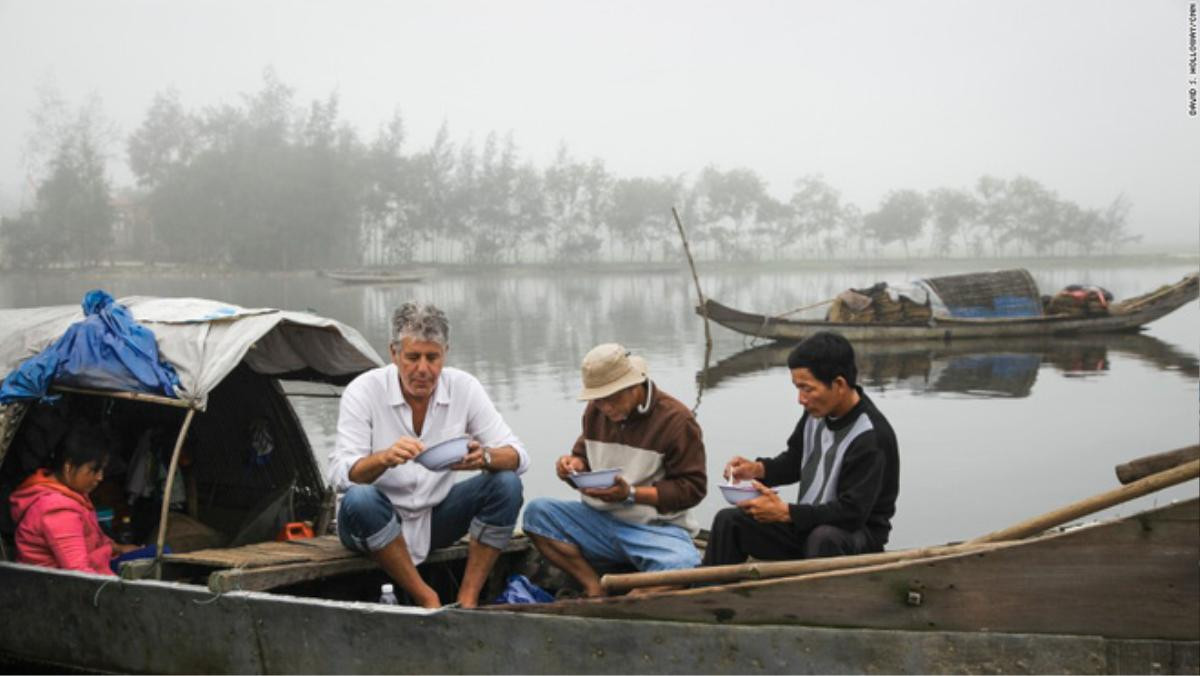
(258, 555)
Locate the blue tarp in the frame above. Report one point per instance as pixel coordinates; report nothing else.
(106, 350)
(1002, 306)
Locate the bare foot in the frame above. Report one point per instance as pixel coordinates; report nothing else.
(429, 600)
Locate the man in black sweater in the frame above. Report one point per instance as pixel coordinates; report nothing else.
(842, 452)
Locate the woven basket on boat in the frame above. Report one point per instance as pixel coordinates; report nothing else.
(989, 293)
(879, 308)
(1067, 304)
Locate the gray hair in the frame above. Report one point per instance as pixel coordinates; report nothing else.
(420, 322)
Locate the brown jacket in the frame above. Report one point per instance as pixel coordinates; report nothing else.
(662, 447)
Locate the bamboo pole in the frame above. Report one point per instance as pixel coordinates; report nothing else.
(1095, 503)
(761, 570)
(131, 396)
(166, 501)
(1140, 467)
(696, 279)
(771, 569)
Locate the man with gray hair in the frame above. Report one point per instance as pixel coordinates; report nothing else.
(396, 510)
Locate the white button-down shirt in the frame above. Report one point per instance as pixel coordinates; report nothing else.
(374, 414)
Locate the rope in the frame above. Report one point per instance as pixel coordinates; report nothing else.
(210, 599)
(96, 598)
(762, 329)
(805, 307)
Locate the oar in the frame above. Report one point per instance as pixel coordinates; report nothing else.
(769, 569)
(760, 570)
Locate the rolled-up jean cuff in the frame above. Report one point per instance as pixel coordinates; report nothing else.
(384, 536)
(492, 536)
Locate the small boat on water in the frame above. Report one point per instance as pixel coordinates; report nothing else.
(375, 276)
(977, 305)
(1118, 596)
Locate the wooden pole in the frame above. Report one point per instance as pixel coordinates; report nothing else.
(166, 501)
(761, 570)
(1136, 469)
(1095, 503)
(696, 279)
(708, 344)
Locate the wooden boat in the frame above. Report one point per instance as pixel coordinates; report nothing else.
(1126, 315)
(231, 599)
(374, 276)
(1115, 597)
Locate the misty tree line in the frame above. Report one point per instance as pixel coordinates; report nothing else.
(268, 184)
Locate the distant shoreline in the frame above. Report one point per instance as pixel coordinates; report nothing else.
(169, 270)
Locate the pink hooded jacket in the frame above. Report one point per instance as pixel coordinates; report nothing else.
(57, 527)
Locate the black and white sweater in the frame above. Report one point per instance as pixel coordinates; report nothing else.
(848, 469)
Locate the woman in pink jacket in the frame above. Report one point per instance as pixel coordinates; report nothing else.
(56, 521)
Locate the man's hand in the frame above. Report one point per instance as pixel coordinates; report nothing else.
(568, 463)
(614, 493)
(768, 507)
(405, 449)
(740, 469)
(473, 459)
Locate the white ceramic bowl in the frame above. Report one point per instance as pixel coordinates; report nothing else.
(441, 455)
(739, 492)
(601, 478)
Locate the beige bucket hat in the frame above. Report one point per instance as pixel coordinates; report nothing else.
(609, 368)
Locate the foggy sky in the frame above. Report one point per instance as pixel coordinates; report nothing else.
(1089, 98)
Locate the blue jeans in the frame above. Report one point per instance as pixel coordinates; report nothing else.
(603, 538)
(485, 506)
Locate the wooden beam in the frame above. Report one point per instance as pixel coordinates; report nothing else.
(131, 396)
(270, 577)
(280, 575)
(1151, 464)
(762, 570)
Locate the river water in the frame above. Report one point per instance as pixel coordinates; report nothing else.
(990, 432)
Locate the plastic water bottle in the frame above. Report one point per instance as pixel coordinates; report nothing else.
(387, 595)
(124, 533)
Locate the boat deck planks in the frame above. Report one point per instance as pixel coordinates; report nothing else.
(261, 554)
(268, 565)
(1130, 578)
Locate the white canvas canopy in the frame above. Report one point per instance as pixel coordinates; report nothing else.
(205, 339)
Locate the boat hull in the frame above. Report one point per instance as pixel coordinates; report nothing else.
(88, 622)
(1128, 316)
(1132, 578)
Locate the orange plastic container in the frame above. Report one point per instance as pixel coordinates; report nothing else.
(296, 530)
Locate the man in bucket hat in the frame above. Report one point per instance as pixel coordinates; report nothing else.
(642, 519)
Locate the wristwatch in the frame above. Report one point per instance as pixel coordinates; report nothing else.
(487, 458)
(631, 499)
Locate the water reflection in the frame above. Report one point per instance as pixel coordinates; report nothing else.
(979, 368)
(1026, 431)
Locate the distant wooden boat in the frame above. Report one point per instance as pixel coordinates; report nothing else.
(1126, 315)
(367, 276)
